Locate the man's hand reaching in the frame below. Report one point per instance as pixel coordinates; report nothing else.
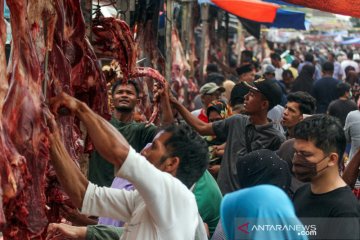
(61, 231)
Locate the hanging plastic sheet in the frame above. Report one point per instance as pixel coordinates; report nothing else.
(249, 9)
(344, 7)
(289, 19)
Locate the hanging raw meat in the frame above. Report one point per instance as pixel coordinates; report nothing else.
(24, 127)
(50, 54)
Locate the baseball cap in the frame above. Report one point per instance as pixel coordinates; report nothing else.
(269, 88)
(210, 88)
(269, 69)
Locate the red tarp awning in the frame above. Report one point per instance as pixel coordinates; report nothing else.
(250, 9)
(344, 7)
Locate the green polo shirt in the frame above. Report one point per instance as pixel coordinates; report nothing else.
(208, 198)
(101, 172)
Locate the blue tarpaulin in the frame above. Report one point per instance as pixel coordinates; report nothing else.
(351, 41)
(6, 11)
(289, 19)
(281, 3)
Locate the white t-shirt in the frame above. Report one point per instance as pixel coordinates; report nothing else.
(346, 63)
(161, 207)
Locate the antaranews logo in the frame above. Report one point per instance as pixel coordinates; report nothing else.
(244, 227)
(314, 228)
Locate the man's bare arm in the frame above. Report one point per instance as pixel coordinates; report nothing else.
(200, 126)
(67, 172)
(107, 140)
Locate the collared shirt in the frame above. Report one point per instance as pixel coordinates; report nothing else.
(165, 211)
(232, 130)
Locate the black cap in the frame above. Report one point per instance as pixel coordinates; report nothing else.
(269, 88)
(244, 69)
(237, 94)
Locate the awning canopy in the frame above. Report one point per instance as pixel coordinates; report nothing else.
(351, 41)
(344, 7)
(281, 3)
(289, 19)
(249, 9)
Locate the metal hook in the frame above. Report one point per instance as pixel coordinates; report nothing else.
(121, 13)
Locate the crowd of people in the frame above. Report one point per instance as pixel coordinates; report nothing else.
(275, 145)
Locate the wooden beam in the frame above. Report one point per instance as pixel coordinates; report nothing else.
(168, 31)
(204, 35)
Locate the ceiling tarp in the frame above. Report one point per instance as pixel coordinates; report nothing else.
(281, 3)
(250, 9)
(351, 41)
(344, 7)
(289, 19)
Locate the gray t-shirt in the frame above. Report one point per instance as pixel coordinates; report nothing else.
(232, 130)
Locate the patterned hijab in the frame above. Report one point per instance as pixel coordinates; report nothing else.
(220, 107)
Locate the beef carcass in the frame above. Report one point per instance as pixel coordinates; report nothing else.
(48, 36)
(24, 126)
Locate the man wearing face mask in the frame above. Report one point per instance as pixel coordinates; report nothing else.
(326, 201)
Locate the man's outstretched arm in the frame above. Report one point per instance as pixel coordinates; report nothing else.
(108, 141)
(201, 127)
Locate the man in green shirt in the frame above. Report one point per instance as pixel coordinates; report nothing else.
(125, 99)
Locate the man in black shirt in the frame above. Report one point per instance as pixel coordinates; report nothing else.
(341, 107)
(243, 134)
(326, 201)
(324, 89)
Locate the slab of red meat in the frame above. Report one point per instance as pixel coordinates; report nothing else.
(3, 89)
(28, 182)
(23, 123)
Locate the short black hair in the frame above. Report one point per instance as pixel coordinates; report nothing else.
(326, 132)
(211, 67)
(191, 149)
(275, 56)
(328, 67)
(295, 63)
(342, 88)
(332, 54)
(216, 78)
(130, 81)
(287, 72)
(247, 55)
(309, 57)
(307, 103)
(350, 55)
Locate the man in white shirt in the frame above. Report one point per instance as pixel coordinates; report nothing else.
(162, 206)
(349, 62)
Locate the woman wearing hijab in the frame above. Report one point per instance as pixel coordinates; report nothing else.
(244, 210)
(304, 82)
(259, 167)
(263, 167)
(217, 110)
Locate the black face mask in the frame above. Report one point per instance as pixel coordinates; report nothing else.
(304, 170)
